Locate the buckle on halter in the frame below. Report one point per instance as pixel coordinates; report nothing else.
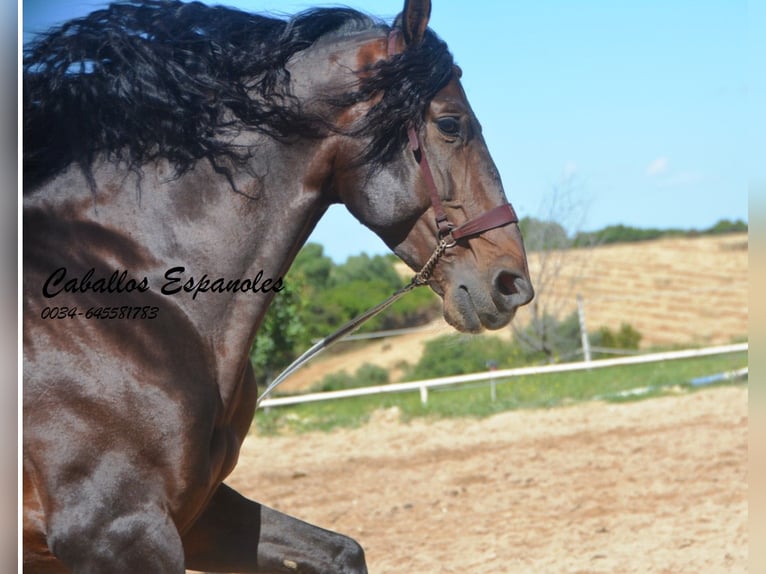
(443, 225)
(445, 233)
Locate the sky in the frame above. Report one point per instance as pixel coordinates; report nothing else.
(596, 112)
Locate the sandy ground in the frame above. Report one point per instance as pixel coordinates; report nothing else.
(655, 486)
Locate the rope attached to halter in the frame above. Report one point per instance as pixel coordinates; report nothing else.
(420, 278)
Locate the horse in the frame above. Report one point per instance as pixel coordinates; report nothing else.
(176, 157)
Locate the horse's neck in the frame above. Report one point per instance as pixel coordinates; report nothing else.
(203, 224)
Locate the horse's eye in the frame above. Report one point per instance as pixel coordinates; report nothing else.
(449, 126)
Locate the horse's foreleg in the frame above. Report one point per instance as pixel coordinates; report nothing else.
(235, 534)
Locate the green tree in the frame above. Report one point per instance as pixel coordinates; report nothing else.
(357, 285)
(542, 235)
(312, 267)
(363, 268)
(281, 333)
(727, 226)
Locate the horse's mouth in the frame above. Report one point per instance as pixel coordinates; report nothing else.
(471, 309)
(469, 316)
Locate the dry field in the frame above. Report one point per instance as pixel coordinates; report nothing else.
(686, 291)
(674, 291)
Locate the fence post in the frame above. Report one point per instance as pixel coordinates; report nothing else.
(492, 366)
(423, 394)
(583, 330)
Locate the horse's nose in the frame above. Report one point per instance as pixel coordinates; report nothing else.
(512, 290)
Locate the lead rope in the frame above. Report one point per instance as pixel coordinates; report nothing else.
(420, 278)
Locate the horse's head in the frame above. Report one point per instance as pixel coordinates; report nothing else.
(432, 177)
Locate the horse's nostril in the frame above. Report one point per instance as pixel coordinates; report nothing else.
(506, 283)
(512, 290)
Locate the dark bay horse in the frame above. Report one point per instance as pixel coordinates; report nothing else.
(176, 157)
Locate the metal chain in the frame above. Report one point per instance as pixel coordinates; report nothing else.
(422, 276)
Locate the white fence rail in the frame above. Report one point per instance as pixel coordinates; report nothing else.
(424, 385)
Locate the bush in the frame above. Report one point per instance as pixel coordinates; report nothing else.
(548, 339)
(335, 382)
(371, 375)
(625, 233)
(366, 376)
(459, 354)
(727, 226)
(626, 338)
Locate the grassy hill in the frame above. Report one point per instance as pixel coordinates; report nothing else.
(674, 291)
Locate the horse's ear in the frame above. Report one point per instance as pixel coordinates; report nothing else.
(414, 20)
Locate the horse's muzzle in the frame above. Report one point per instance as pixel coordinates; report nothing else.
(472, 304)
(511, 291)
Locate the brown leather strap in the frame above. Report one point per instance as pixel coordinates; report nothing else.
(442, 223)
(495, 217)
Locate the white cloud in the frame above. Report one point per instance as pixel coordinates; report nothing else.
(657, 167)
(663, 175)
(569, 170)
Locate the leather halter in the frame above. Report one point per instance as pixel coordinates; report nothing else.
(496, 217)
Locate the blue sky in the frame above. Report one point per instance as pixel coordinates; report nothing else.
(632, 112)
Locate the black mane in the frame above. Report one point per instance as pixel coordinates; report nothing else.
(167, 79)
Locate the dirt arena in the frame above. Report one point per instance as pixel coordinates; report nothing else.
(655, 486)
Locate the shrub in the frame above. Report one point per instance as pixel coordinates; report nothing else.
(366, 376)
(334, 382)
(547, 338)
(371, 375)
(626, 337)
(727, 226)
(459, 354)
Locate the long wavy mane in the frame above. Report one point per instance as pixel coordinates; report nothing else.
(140, 81)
